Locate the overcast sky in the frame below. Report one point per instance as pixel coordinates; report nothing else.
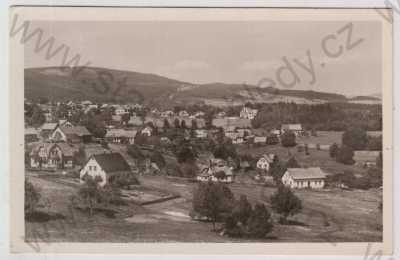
(230, 52)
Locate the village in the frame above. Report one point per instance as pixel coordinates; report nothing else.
(159, 157)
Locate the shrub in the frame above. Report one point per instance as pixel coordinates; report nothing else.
(288, 139)
(345, 155)
(259, 223)
(333, 150)
(355, 138)
(284, 202)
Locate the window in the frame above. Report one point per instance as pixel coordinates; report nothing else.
(90, 167)
(94, 168)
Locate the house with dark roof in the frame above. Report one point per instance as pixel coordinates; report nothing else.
(53, 155)
(301, 178)
(106, 166)
(75, 134)
(121, 136)
(31, 135)
(47, 129)
(365, 158)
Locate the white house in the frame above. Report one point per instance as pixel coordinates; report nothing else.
(106, 166)
(297, 129)
(264, 163)
(248, 113)
(120, 110)
(75, 134)
(121, 136)
(183, 113)
(167, 113)
(200, 133)
(365, 158)
(147, 131)
(301, 178)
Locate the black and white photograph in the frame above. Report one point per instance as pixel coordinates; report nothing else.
(245, 126)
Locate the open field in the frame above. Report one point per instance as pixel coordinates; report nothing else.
(316, 158)
(327, 216)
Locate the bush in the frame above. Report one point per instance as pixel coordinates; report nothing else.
(213, 201)
(259, 223)
(355, 138)
(284, 202)
(345, 155)
(288, 139)
(333, 150)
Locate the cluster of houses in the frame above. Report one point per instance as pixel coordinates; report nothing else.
(55, 144)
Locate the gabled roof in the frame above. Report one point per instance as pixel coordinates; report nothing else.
(67, 149)
(292, 127)
(75, 130)
(30, 131)
(365, 156)
(111, 162)
(121, 133)
(306, 173)
(49, 126)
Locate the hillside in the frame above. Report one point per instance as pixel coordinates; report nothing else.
(104, 85)
(97, 84)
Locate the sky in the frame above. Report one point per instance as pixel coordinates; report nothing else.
(226, 51)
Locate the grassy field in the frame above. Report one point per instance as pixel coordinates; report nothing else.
(316, 158)
(328, 216)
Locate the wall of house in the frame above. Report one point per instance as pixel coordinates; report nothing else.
(302, 184)
(93, 169)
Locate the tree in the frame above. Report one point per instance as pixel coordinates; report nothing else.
(90, 193)
(259, 223)
(345, 155)
(183, 124)
(224, 151)
(166, 124)
(284, 202)
(333, 150)
(125, 118)
(194, 124)
(242, 210)
(374, 143)
(177, 124)
(213, 201)
(292, 163)
(37, 118)
(355, 138)
(32, 197)
(186, 154)
(288, 139)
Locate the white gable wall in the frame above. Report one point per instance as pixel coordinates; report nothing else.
(93, 169)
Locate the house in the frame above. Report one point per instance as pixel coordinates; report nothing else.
(260, 140)
(86, 103)
(31, 135)
(147, 131)
(64, 122)
(92, 149)
(217, 171)
(52, 156)
(135, 121)
(167, 113)
(297, 129)
(76, 134)
(301, 178)
(47, 129)
(199, 114)
(264, 163)
(365, 158)
(248, 113)
(221, 114)
(106, 166)
(121, 136)
(200, 133)
(120, 110)
(183, 113)
(231, 121)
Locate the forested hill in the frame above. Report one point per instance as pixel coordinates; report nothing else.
(107, 85)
